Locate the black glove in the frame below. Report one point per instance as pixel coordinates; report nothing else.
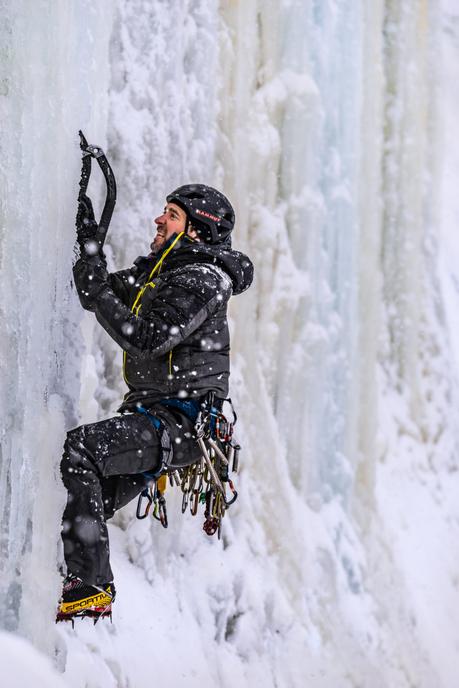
(86, 227)
(85, 212)
(90, 277)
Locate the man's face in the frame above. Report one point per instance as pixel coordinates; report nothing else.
(172, 221)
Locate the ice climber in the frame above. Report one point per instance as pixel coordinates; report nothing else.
(168, 313)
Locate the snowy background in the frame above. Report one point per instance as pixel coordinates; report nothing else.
(332, 126)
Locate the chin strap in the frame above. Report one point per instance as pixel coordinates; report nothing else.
(189, 226)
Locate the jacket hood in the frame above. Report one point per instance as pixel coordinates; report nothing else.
(237, 265)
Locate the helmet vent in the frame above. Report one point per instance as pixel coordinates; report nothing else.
(194, 195)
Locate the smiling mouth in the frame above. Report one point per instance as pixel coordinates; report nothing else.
(160, 234)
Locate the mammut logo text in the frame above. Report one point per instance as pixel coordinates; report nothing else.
(203, 212)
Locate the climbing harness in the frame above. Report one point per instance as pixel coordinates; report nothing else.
(89, 152)
(155, 487)
(206, 480)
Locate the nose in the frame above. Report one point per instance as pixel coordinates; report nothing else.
(160, 219)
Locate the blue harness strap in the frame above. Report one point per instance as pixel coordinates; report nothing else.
(156, 422)
(158, 425)
(190, 407)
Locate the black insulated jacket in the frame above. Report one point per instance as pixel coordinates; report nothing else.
(173, 328)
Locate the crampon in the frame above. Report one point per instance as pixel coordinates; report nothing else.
(94, 613)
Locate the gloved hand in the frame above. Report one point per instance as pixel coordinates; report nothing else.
(86, 226)
(90, 277)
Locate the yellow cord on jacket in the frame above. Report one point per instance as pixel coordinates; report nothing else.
(136, 308)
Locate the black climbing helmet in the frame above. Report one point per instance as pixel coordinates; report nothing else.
(209, 211)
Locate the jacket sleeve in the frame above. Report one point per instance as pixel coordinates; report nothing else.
(121, 284)
(179, 308)
(90, 279)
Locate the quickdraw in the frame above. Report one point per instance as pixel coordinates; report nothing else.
(89, 152)
(154, 493)
(204, 482)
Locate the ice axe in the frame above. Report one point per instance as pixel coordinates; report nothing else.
(89, 152)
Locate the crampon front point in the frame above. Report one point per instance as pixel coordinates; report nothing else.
(94, 613)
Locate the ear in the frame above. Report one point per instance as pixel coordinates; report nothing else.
(192, 233)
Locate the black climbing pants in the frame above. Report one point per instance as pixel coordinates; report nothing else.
(102, 469)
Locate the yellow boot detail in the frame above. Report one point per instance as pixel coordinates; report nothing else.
(99, 599)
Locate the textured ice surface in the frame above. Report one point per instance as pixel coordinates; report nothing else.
(331, 126)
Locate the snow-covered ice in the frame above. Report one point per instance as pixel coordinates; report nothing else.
(331, 126)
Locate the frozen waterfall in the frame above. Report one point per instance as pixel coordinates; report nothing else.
(330, 125)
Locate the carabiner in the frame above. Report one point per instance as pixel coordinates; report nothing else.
(144, 494)
(185, 499)
(233, 490)
(194, 503)
(162, 511)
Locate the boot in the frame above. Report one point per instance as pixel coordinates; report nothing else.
(80, 599)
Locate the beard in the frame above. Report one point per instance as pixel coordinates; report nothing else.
(159, 241)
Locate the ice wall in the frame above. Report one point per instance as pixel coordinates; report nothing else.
(53, 79)
(343, 231)
(323, 122)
